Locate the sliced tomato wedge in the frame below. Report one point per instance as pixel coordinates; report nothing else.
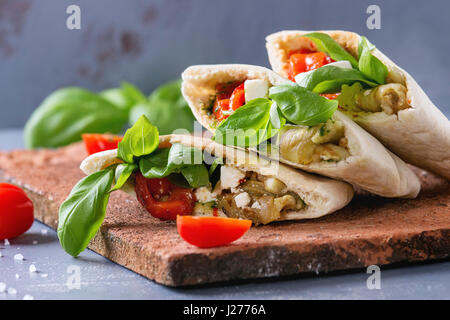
(96, 142)
(304, 60)
(162, 199)
(330, 96)
(220, 108)
(208, 232)
(237, 98)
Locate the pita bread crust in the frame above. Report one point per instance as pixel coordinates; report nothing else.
(322, 195)
(370, 167)
(199, 85)
(419, 135)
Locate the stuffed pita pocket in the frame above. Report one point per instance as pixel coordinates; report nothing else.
(245, 108)
(185, 175)
(374, 92)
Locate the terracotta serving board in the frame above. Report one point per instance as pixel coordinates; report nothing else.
(371, 230)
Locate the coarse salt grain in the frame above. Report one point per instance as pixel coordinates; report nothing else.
(11, 291)
(2, 287)
(43, 232)
(17, 276)
(44, 275)
(32, 268)
(35, 242)
(1, 254)
(28, 297)
(18, 256)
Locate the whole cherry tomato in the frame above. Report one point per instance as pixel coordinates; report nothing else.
(16, 211)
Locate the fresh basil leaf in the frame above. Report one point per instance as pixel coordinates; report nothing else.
(214, 165)
(276, 118)
(196, 175)
(164, 162)
(369, 65)
(140, 140)
(82, 213)
(300, 106)
(124, 97)
(328, 45)
(122, 174)
(67, 113)
(329, 79)
(246, 126)
(166, 108)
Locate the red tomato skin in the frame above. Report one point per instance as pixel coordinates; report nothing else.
(96, 142)
(219, 107)
(237, 98)
(209, 232)
(16, 211)
(330, 96)
(224, 90)
(180, 201)
(304, 60)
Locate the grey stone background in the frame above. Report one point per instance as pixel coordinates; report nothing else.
(150, 42)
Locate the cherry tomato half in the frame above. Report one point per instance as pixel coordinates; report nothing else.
(16, 211)
(96, 142)
(165, 203)
(237, 98)
(303, 62)
(208, 232)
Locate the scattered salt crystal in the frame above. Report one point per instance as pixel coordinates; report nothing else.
(2, 287)
(11, 291)
(43, 232)
(32, 268)
(27, 297)
(18, 256)
(17, 276)
(35, 242)
(1, 254)
(44, 275)
(7, 242)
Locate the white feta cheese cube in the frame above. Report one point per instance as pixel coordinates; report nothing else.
(230, 177)
(256, 88)
(203, 194)
(242, 200)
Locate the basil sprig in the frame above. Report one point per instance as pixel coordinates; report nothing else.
(260, 119)
(368, 69)
(82, 213)
(329, 79)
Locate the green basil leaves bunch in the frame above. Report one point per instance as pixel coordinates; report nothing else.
(260, 119)
(82, 213)
(69, 112)
(368, 70)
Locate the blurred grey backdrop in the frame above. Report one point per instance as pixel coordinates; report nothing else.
(150, 42)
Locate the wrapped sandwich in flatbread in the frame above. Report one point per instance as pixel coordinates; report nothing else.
(305, 130)
(185, 175)
(371, 89)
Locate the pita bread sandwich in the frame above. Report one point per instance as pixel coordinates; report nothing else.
(185, 175)
(371, 89)
(253, 107)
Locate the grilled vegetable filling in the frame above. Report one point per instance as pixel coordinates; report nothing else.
(323, 142)
(247, 195)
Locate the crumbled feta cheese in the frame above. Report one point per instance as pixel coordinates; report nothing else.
(230, 177)
(18, 256)
(255, 89)
(203, 194)
(256, 205)
(242, 200)
(32, 268)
